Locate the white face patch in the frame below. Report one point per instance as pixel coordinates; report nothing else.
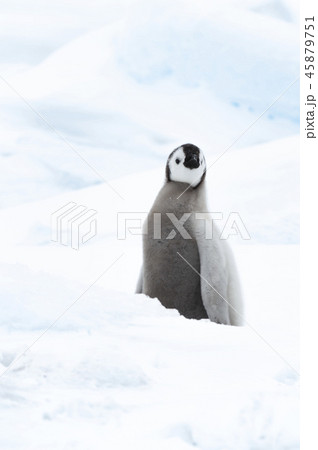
(178, 171)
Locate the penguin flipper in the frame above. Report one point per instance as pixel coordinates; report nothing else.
(214, 279)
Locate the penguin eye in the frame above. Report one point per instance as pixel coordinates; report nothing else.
(178, 161)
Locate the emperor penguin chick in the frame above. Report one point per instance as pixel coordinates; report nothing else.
(185, 265)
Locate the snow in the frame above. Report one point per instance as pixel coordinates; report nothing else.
(128, 80)
(118, 369)
(84, 362)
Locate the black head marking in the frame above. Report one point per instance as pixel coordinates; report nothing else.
(168, 171)
(190, 149)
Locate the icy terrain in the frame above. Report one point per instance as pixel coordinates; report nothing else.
(120, 85)
(117, 369)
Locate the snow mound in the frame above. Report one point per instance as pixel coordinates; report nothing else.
(138, 83)
(119, 369)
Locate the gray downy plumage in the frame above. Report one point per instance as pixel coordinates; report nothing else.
(181, 267)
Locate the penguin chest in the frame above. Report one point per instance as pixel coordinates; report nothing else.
(172, 267)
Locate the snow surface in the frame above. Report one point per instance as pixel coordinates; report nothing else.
(118, 369)
(85, 363)
(122, 82)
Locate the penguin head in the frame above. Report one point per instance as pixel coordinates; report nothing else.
(186, 164)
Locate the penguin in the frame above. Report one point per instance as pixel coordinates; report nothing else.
(183, 266)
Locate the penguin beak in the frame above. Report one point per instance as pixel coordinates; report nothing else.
(192, 161)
